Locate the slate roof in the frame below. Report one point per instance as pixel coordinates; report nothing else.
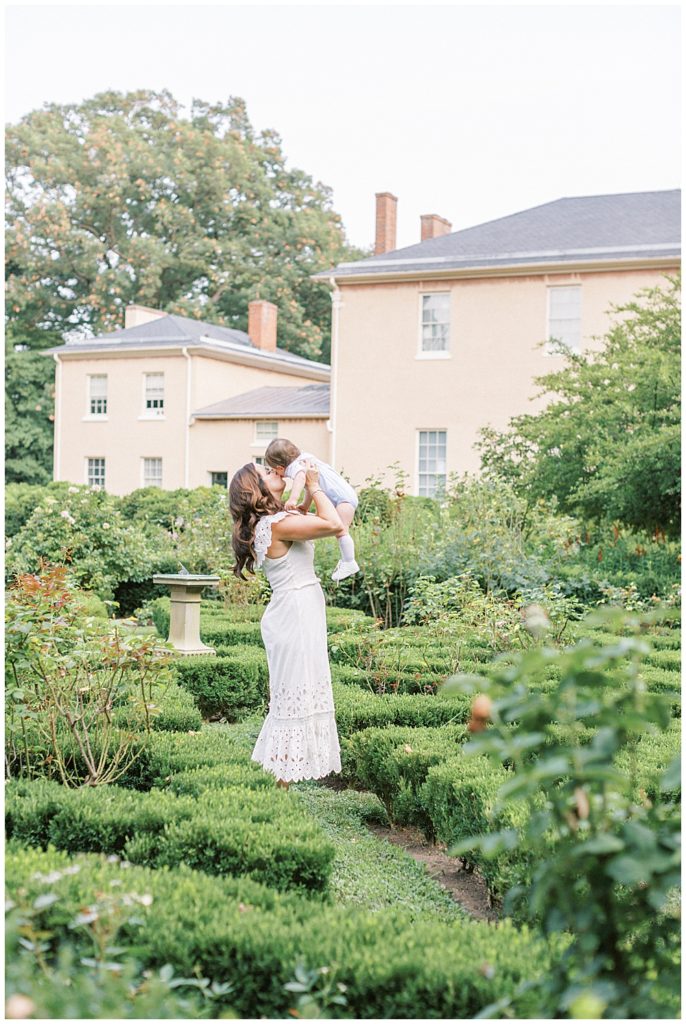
(172, 330)
(631, 225)
(310, 401)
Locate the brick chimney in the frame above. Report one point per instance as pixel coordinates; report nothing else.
(434, 226)
(262, 324)
(386, 215)
(135, 315)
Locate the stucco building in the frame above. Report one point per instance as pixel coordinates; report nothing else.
(430, 343)
(436, 340)
(172, 402)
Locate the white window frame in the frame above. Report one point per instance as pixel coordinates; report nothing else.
(548, 349)
(423, 353)
(215, 472)
(258, 460)
(151, 458)
(418, 448)
(273, 435)
(152, 414)
(95, 416)
(96, 458)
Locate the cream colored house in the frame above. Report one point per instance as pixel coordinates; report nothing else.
(434, 341)
(429, 344)
(151, 405)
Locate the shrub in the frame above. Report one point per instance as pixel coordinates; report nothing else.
(459, 798)
(606, 865)
(356, 710)
(261, 833)
(84, 528)
(174, 711)
(66, 675)
(392, 964)
(195, 781)
(230, 684)
(393, 763)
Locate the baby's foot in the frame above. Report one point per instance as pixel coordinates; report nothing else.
(344, 569)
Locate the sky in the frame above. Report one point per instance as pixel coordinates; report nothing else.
(468, 112)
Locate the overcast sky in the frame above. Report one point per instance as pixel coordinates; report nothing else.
(468, 112)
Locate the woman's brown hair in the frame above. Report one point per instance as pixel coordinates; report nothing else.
(249, 500)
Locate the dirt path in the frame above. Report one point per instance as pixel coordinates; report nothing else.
(467, 889)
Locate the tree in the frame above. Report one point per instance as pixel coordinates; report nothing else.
(608, 444)
(121, 199)
(29, 417)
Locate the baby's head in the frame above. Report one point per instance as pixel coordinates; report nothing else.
(280, 453)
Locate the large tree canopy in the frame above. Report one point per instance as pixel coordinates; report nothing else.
(608, 444)
(122, 199)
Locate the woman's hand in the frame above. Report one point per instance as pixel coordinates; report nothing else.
(311, 476)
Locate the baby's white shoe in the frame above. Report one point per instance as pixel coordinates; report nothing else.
(344, 569)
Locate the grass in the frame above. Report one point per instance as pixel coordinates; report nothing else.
(367, 871)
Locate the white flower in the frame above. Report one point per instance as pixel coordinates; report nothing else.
(146, 899)
(72, 490)
(105, 526)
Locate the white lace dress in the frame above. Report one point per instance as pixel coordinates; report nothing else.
(298, 739)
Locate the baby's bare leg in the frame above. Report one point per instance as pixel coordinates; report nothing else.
(346, 514)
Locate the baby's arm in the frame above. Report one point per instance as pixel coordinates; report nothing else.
(298, 484)
(304, 505)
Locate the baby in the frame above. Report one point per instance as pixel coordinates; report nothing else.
(285, 459)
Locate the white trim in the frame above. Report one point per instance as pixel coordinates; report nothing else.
(548, 291)
(442, 353)
(422, 430)
(151, 414)
(57, 425)
(149, 457)
(187, 421)
(100, 458)
(336, 304)
(264, 441)
(523, 269)
(110, 350)
(516, 254)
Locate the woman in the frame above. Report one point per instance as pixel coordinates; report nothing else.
(298, 739)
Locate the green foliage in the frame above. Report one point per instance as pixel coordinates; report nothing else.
(66, 674)
(229, 685)
(196, 215)
(175, 711)
(29, 417)
(261, 833)
(356, 710)
(393, 763)
(608, 444)
(368, 871)
(85, 529)
(605, 863)
(109, 983)
(393, 964)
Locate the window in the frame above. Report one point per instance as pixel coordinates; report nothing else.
(564, 316)
(432, 462)
(219, 479)
(152, 472)
(266, 431)
(154, 394)
(95, 473)
(435, 322)
(97, 394)
(259, 460)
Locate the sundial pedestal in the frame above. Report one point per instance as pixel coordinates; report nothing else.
(184, 620)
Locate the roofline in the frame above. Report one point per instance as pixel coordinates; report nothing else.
(260, 416)
(503, 270)
(308, 368)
